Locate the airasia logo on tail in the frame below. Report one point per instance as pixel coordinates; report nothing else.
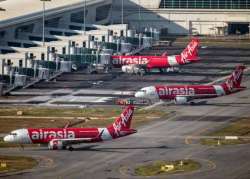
(126, 117)
(235, 77)
(50, 134)
(166, 91)
(188, 52)
(123, 60)
(122, 122)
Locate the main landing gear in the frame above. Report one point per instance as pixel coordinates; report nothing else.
(70, 148)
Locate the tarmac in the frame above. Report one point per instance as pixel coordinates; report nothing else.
(79, 88)
(163, 139)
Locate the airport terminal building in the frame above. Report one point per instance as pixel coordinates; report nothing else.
(205, 17)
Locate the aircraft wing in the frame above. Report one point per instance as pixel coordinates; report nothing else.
(164, 54)
(196, 96)
(80, 140)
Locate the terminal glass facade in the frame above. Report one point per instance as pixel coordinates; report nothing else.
(205, 4)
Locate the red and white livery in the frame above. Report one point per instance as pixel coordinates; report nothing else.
(189, 55)
(64, 138)
(183, 94)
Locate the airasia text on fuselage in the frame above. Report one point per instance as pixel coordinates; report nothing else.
(123, 60)
(50, 134)
(173, 91)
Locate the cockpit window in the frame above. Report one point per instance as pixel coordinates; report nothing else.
(13, 133)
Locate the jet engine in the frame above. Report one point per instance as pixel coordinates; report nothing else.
(173, 69)
(133, 69)
(181, 100)
(56, 145)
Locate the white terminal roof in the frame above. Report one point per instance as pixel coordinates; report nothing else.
(16, 9)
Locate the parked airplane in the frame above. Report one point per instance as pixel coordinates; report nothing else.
(64, 138)
(183, 94)
(142, 64)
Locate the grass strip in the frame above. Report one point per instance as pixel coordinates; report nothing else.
(239, 128)
(159, 168)
(16, 163)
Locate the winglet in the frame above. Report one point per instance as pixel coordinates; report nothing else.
(164, 54)
(67, 125)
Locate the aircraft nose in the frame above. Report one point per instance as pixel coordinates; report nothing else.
(8, 138)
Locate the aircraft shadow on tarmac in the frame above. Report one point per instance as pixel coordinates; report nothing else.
(117, 149)
(205, 103)
(98, 148)
(186, 73)
(205, 118)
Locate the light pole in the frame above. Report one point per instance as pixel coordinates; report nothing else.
(44, 21)
(249, 30)
(84, 18)
(122, 12)
(117, 42)
(1, 9)
(139, 15)
(139, 35)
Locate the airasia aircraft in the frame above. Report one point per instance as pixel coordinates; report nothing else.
(183, 94)
(134, 64)
(64, 138)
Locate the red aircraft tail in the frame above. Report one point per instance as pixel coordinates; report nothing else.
(234, 81)
(190, 53)
(122, 124)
